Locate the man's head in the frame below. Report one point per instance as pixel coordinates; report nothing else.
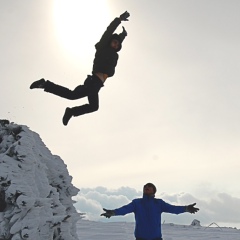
(149, 189)
(116, 42)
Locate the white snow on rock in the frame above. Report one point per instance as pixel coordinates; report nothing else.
(35, 189)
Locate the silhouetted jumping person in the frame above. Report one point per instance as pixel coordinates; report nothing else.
(104, 64)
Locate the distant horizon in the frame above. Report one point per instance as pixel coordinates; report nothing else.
(211, 225)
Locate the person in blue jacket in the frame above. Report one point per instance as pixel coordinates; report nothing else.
(147, 212)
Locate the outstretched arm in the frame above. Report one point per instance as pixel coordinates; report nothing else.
(110, 30)
(166, 207)
(119, 211)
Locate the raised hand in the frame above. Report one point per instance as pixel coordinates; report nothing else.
(124, 16)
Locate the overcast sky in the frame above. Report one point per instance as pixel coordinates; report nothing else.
(170, 115)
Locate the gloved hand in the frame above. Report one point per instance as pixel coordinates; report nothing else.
(108, 213)
(191, 209)
(124, 16)
(124, 32)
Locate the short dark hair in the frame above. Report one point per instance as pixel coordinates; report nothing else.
(151, 185)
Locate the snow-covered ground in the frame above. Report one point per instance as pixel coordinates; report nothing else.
(89, 230)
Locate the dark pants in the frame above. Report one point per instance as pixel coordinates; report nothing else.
(90, 89)
(151, 239)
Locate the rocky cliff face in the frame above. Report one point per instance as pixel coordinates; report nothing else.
(35, 188)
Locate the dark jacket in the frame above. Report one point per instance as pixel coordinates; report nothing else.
(148, 212)
(106, 57)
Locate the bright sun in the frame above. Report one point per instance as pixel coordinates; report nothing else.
(80, 24)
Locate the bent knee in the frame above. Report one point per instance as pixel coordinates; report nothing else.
(94, 108)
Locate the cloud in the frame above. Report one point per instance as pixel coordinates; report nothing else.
(216, 207)
(125, 191)
(222, 208)
(92, 201)
(91, 207)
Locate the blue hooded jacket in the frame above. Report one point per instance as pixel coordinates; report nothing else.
(148, 212)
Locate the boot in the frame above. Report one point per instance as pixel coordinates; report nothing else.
(38, 84)
(67, 115)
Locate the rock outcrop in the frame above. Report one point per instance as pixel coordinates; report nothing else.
(35, 188)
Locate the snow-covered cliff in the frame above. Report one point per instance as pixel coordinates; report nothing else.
(35, 189)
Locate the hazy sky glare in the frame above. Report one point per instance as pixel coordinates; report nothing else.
(170, 114)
